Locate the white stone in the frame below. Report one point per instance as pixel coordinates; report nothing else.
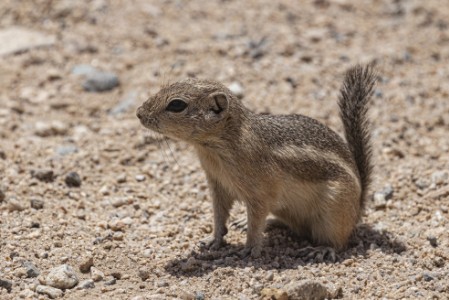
(62, 277)
(17, 39)
(49, 291)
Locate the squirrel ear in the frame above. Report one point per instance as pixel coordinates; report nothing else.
(219, 104)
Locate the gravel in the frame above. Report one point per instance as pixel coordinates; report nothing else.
(73, 179)
(284, 58)
(37, 203)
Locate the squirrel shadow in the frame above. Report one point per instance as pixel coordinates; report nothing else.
(284, 250)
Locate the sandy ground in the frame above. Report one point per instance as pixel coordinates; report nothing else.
(143, 203)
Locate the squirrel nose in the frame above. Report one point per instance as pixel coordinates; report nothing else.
(139, 113)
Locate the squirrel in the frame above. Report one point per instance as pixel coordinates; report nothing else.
(291, 166)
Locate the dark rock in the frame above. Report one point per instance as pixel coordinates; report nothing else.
(37, 203)
(427, 277)
(31, 269)
(6, 284)
(43, 175)
(433, 241)
(388, 192)
(73, 180)
(2, 195)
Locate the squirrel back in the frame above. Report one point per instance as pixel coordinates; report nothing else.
(355, 94)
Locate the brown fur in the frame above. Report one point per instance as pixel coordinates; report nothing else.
(291, 166)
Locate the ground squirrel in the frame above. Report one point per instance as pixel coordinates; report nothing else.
(292, 166)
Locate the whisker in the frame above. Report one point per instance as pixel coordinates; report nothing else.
(174, 158)
(158, 137)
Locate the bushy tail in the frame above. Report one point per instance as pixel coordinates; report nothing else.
(354, 98)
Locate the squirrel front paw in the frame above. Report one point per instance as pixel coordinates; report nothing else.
(251, 251)
(212, 243)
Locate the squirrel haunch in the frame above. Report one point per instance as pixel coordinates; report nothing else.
(291, 166)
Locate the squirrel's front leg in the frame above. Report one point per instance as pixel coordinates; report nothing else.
(222, 204)
(256, 224)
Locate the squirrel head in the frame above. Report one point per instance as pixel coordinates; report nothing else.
(192, 110)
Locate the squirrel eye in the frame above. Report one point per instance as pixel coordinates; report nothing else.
(176, 105)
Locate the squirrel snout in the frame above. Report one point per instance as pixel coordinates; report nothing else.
(139, 113)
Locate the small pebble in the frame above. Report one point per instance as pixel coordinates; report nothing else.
(87, 284)
(116, 225)
(269, 276)
(140, 177)
(104, 190)
(73, 179)
(121, 178)
(31, 269)
(162, 283)
(199, 296)
(110, 281)
(118, 202)
(379, 201)
(99, 81)
(96, 274)
(143, 273)
(86, 265)
(43, 175)
(51, 292)
(439, 177)
(147, 253)
(6, 284)
(427, 277)
(14, 205)
(53, 128)
(433, 241)
(62, 277)
(118, 236)
(66, 150)
(37, 203)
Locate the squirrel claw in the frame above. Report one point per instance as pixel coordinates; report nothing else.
(211, 243)
(253, 252)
